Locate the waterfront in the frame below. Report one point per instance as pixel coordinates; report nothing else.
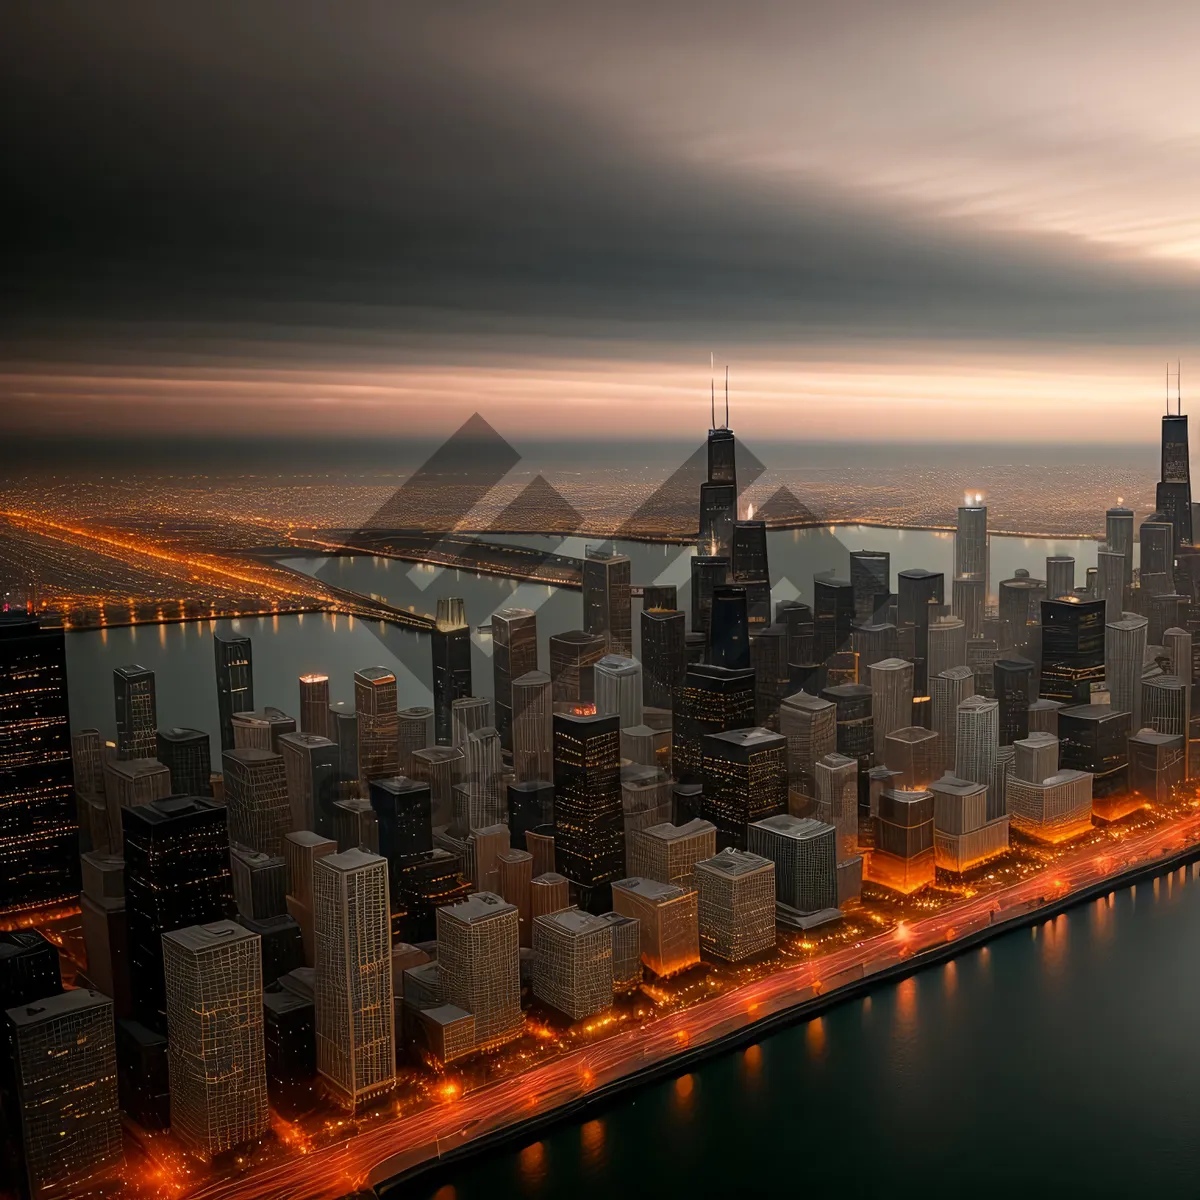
(1058, 1059)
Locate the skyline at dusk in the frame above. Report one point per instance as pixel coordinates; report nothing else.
(945, 225)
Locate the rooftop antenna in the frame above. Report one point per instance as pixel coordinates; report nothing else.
(726, 395)
(1178, 388)
(1168, 389)
(712, 389)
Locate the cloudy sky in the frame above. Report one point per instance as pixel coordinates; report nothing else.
(914, 220)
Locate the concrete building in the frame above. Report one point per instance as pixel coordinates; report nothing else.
(310, 769)
(913, 754)
(618, 684)
(1035, 758)
(736, 904)
(514, 653)
(626, 950)
(963, 837)
(891, 699)
(414, 732)
(804, 852)
(947, 645)
(1055, 810)
(532, 733)
(548, 892)
(130, 783)
(375, 704)
(948, 689)
(607, 611)
(668, 853)
(314, 706)
(809, 723)
(215, 1048)
(256, 798)
(572, 966)
(903, 858)
(668, 918)
(260, 728)
(1124, 654)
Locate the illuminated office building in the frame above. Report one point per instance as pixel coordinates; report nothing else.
(729, 629)
(745, 780)
(871, 584)
(356, 1037)
(1165, 705)
(1018, 609)
(1055, 810)
(63, 1080)
(378, 724)
(1092, 738)
(1124, 654)
(39, 840)
(963, 837)
(618, 686)
(664, 655)
(804, 852)
(532, 709)
(855, 724)
(314, 705)
(607, 609)
(404, 812)
(573, 659)
(748, 569)
(718, 514)
(1157, 763)
(913, 754)
(1110, 583)
(918, 591)
(1012, 685)
(130, 783)
(669, 852)
(947, 691)
(1118, 536)
(947, 645)
(971, 543)
(185, 754)
(903, 858)
(216, 1052)
(424, 883)
(310, 769)
(441, 767)
(1035, 757)
(235, 681)
(708, 573)
(415, 733)
(1060, 576)
(514, 653)
(712, 700)
(735, 893)
(478, 965)
(589, 837)
(977, 742)
(891, 699)
(809, 725)
(663, 596)
(137, 713)
(177, 873)
(837, 800)
(261, 728)
(833, 615)
(1072, 649)
(572, 966)
(668, 923)
(626, 951)
(256, 796)
(645, 798)
(450, 645)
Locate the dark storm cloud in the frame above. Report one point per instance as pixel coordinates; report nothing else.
(392, 167)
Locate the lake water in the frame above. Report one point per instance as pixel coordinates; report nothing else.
(285, 647)
(1058, 1061)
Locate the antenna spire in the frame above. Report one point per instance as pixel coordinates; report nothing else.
(726, 395)
(1179, 387)
(712, 389)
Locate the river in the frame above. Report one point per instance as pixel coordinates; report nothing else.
(1060, 1060)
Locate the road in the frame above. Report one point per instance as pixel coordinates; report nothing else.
(332, 1172)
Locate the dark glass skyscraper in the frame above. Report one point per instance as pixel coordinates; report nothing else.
(235, 681)
(871, 582)
(712, 700)
(176, 874)
(1173, 497)
(749, 569)
(729, 634)
(745, 780)
(1013, 680)
(450, 643)
(918, 590)
(187, 755)
(39, 837)
(606, 600)
(136, 709)
(708, 572)
(664, 655)
(404, 809)
(589, 831)
(833, 615)
(1072, 649)
(514, 653)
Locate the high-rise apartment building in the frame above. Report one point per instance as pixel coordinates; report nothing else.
(607, 610)
(130, 783)
(947, 691)
(745, 778)
(891, 699)
(712, 700)
(963, 837)
(947, 645)
(314, 705)
(256, 796)
(572, 966)
(235, 681)
(137, 712)
(735, 893)
(261, 728)
(1057, 809)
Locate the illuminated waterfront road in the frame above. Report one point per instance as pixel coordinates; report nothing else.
(371, 1157)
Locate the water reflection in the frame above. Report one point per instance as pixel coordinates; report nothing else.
(591, 1137)
(683, 1095)
(814, 1036)
(752, 1063)
(950, 979)
(532, 1165)
(906, 1007)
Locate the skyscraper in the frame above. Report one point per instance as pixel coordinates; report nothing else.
(376, 706)
(532, 709)
(669, 853)
(735, 893)
(1173, 496)
(479, 965)
(468, 715)
(729, 628)
(137, 713)
(748, 569)
(1012, 678)
(405, 814)
(712, 700)
(1124, 653)
(745, 780)
(833, 615)
(39, 838)
(356, 1034)
(177, 873)
(589, 837)
(314, 705)
(668, 919)
(1035, 757)
(804, 852)
(664, 655)
(1110, 582)
(809, 723)
(871, 583)
(1019, 597)
(618, 685)
(310, 769)
(904, 858)
(1165, 705)
(947, 645)
(891, 699)
(572, 969)
(1118, 535)
(709, 571)
(1092, 738)
(606, 599)
(1072, 649)
(918, 590)
(256, 796)
(514, 653)
(186, 755)
(1157, 555)
(963, 837)
(415, 733)
(130, 783)
(977, 743)
(215, 1051)
(261, 728)
(971, 543)
(235, 681)
(948, 690)
(1060, 576)
(450, 645)
(573, 658)
(1057, 809)
(718, 514)
(63, 1077)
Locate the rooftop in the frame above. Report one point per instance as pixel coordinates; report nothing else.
(574, 921)
(754, 736)
(674, 833)
(793, 827)
(958, 787)
(650, 889)
(735, 862)
(206, 937)
(375, 675)
(350, 860)
(479, 906)
(64, 1004)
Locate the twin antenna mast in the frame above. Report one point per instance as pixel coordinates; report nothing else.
(1178, 392)
(712, 389)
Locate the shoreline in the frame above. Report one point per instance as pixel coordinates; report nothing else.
(432, 1167)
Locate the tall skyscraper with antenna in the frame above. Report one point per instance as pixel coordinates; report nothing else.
(718, 494)
(1173, 496)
